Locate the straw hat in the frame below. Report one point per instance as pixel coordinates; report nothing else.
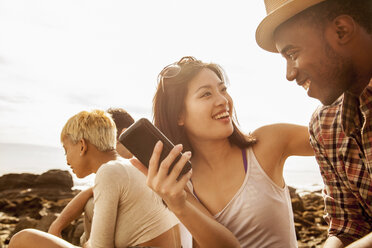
(278, 11)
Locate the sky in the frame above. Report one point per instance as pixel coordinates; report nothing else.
(58, 58)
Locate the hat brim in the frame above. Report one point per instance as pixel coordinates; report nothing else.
(265, 30)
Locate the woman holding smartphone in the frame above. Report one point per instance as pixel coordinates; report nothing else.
(235, 194)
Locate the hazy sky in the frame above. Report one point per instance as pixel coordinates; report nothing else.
(60, 57)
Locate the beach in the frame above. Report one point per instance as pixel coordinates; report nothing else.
(25, 202)
(34, 201)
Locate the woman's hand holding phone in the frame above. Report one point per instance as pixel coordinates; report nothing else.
(164, 184)
(189, 211)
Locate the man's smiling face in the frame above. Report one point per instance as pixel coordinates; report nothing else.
(312, 62)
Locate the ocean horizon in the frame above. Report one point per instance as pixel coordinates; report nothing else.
(299, 172)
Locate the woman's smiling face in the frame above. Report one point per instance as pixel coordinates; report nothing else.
(207, 108)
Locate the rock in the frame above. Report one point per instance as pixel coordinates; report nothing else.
(24, 222)
(75, 232)
(311, 228)
(309, 216)
(58, 205)
(7, 225)
(303, 221)
(7, 206)
(50, 179)
(17, 181)
(45, 222)
(33, 201)
(55, 179)
(292, 191)
(297, 205)
(8, 220)
(28, 206)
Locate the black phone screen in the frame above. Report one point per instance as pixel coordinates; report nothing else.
(140, 139)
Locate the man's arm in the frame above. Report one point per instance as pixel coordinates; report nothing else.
(71, 212)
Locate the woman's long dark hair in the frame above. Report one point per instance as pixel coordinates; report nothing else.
(169, 100)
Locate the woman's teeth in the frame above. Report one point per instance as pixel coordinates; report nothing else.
(222, 115)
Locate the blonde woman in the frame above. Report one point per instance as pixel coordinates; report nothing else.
(126, 211)
(83, 202)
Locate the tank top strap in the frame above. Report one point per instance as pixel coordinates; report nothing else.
(244, 153)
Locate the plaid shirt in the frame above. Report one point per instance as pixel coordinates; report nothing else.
(341, 135)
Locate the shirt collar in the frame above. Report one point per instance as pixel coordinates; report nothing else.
(353, 107)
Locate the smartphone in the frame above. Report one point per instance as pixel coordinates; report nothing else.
(140, 139)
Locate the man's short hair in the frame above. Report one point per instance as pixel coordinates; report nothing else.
(121, 118)
(96, 127)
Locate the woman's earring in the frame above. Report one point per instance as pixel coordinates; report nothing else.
(180, 121)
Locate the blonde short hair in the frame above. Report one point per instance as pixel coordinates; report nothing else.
(96, 127)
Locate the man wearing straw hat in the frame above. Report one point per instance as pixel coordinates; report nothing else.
(327, 45)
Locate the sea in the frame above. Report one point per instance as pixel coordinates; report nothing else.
(299, 172)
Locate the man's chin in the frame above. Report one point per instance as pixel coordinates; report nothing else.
(327, 101)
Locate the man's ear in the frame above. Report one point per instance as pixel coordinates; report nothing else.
(345, 28)
(83, 147)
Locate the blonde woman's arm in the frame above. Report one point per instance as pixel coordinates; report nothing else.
(71, 212)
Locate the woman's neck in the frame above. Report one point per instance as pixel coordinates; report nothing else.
(212, 154)
(101, 158)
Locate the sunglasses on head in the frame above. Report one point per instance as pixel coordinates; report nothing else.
(173, 70)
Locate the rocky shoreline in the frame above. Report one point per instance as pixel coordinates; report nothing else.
(308, 211)
(34, 201)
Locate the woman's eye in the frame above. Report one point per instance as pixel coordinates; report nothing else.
(206, 94)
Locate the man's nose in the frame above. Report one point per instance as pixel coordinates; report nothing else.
(291, 72)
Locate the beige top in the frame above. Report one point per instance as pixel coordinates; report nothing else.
(126, 211)
(260, 213)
